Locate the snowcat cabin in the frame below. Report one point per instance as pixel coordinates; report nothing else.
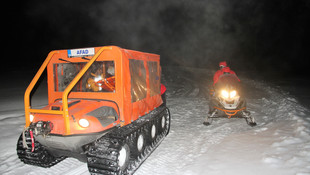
(93, 89)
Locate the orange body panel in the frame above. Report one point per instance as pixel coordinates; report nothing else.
(119, 98)
(76, 113)
(230, 112)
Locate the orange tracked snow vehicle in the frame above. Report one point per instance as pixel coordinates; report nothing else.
(104, 108)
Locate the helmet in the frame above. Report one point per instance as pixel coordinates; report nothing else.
(223, 64)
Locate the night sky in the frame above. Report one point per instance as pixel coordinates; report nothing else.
(259, 35)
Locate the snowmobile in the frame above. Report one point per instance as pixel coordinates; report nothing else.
(104, 108)
(227, 101)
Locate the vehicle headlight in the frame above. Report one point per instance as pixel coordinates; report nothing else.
(225, 94)
(31, 117)
(228, 94)
(232, 94)
(84, 123)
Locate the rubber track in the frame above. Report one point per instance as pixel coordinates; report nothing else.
(39, 157)
(102, 157)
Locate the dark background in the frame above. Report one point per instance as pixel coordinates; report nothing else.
(252, 35)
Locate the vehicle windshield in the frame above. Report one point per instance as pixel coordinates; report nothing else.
(100, 77)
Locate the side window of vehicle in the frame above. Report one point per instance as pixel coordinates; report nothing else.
(138, 80)
(154, 78)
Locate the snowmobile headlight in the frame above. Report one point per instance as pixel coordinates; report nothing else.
(31, 117)
(225, 94)
(232, 94)
(84, 123)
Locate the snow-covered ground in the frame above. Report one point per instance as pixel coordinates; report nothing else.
(279, 144)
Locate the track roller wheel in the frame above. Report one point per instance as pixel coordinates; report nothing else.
(123, 157)
(140, 143)
(137, 145)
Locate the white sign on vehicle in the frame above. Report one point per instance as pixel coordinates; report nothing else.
(81, 52)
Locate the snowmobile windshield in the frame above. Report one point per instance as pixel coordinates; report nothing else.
(100, 77)
(227, 81)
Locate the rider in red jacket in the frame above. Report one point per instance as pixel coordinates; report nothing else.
(223, 69)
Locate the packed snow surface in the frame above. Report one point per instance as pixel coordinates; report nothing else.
(279, 144)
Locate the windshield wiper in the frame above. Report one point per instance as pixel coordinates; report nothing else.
(84, 58)
(64, 60)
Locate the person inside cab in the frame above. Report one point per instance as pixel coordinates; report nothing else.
(93, 83)
(102, 79)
